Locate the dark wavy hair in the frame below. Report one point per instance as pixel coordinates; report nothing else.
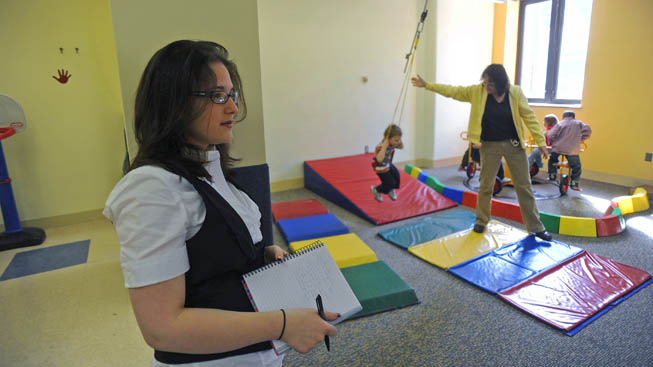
(165, 109)
(496, 74)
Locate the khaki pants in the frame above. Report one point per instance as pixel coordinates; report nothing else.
(491, 153)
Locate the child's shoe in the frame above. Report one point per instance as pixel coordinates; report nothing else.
(377, 195)
(575, 185)
(553, 176)
(393, 194)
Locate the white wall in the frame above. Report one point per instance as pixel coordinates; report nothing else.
(462, 44)
(314, 54)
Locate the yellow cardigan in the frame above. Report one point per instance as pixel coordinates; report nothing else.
(477, 95)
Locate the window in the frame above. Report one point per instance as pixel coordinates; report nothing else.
(553, 38)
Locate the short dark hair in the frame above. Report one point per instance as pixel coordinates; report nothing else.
(569, 113)
(496, 73)
(391, 131)
(165, 109)
(551, 119)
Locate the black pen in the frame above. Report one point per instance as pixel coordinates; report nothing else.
(320, 311)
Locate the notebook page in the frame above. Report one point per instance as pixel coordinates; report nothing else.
(296, 282)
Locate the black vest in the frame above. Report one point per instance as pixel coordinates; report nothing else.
(219, 254)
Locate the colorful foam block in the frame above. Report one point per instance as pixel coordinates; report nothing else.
(508, 210)
(421, 177)
(434, 184)
(453, 194)
(610, 225)
(415, 171)
(346, 249)
(570, 293)
(378, 288)
(456, 248)
(469, 199)
(297, 209)
(551, 222)
(577, 226)
(306, 228)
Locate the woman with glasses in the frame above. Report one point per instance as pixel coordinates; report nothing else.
(187, 233)
(495, 120)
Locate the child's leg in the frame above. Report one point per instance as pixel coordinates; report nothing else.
(396, 178)
(386, 182)
(574, 164)
(553, 170)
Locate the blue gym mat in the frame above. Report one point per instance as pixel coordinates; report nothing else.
(46, 259)
(436, 226)
(307, 228)
(511, 264)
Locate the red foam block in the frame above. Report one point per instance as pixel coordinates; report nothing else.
(506, 210)
(609, 225)
(469, 199)
(297, 209)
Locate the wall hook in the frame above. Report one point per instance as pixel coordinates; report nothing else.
(77, 50)
(61, 50)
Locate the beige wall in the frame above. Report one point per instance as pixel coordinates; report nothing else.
(70, 155)
(617, 93)
(462, 39)
(142, 27)
(314, 54)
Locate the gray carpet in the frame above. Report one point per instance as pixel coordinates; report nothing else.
(457, 324)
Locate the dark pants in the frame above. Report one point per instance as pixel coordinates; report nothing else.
(389, 180)
(476, 157)
(574, 164)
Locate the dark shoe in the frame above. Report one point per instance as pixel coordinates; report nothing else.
(553, 177)
(545, 235)
(575, 185)
(479, 228)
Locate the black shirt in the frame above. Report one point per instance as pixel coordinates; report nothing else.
(497, 123)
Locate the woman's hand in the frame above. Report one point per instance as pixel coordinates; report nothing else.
(305, 329)
(544, 152)
(418, 81)
(274, 253)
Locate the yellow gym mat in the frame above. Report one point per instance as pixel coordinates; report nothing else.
(346, 249)
(458, 247)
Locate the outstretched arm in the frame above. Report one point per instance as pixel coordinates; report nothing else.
(463, 94)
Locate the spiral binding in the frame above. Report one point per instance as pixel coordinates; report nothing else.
(301, 251)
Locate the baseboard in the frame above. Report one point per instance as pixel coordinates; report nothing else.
(283, 185)
(615, 179)
(61, 220)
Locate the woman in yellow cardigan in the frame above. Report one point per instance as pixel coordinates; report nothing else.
(495, 120)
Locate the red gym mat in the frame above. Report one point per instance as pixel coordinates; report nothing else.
(575, 290)
(346, 181)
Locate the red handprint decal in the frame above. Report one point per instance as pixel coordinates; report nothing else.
(63, 76)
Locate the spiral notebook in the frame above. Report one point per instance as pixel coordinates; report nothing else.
(296, 281)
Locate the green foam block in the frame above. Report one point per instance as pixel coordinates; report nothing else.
(378, 288)
(551, 222)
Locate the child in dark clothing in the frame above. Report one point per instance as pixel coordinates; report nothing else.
(382, 163)
(476, 157)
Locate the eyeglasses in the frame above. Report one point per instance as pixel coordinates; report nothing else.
(219, 96)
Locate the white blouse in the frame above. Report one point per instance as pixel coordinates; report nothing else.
(154, 213)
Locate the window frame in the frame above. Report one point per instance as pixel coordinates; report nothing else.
(553, 61)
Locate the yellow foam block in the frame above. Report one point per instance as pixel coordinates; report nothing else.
(577, 226)
(640, 200)
(415, 172)
(458, 247)
(346, 249)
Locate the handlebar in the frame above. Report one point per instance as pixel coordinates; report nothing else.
(6, 132)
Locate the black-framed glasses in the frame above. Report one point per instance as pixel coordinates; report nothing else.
(219, 96)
